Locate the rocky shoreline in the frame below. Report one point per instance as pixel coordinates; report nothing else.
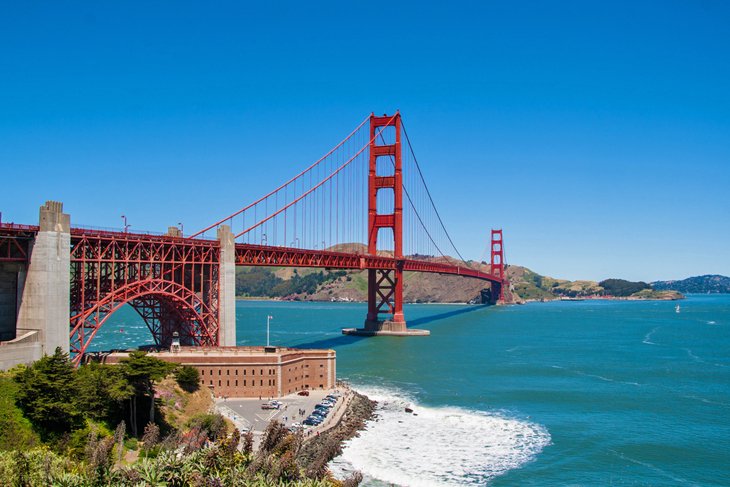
(318, 451)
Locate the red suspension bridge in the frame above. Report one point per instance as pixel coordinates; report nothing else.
(363, 206)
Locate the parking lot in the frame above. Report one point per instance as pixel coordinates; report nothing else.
(248, 414)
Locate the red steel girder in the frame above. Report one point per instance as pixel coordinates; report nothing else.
(262, 255)
(172, 283)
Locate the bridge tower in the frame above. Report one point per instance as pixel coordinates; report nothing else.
(497, 264)
(385, 287)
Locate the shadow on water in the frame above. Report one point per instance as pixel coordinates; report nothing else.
(448, 314)
(343, 340)
(333, 342)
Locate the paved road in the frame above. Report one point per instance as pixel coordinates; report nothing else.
(247, 413)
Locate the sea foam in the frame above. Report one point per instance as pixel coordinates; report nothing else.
(437, 446)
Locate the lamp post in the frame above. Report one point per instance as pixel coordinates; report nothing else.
(181, 228)
(268, 319)
(126, 227)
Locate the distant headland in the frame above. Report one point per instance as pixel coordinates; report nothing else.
(707, 284)
(289, 284)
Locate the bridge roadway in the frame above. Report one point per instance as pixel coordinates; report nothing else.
(246, 254)
(50, 297)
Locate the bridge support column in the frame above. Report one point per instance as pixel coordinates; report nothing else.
(45, 302)
(497, 265)
(385, 286)
(227, 288)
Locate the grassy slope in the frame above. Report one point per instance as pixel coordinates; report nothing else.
(178, 406)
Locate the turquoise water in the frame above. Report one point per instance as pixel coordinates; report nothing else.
(563, 393)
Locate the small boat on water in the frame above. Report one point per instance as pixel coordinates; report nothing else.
(676, 309)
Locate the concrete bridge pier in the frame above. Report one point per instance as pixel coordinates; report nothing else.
(227, 288)
(43, 296)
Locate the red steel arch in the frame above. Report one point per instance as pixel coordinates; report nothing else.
(165, 306)
(171, 282)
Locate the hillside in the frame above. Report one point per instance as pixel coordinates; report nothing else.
(530, 286)
(526, 285)
(711, 283)
(323, 285)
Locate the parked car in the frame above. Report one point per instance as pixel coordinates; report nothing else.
(271, 405)
(313, 420)
(303, 393)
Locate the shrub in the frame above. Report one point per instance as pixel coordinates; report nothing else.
(16, 431)
(211, 425)
(46, 395)
(188, 378)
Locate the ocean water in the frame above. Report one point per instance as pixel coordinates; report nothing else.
(562, 393)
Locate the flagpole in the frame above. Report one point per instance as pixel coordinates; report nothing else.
(268, 317)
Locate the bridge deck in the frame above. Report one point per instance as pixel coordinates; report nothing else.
(263, 255)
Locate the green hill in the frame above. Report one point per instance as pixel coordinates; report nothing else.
(711, 283)
(530, 286)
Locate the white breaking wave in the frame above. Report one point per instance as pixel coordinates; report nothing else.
(437, 446)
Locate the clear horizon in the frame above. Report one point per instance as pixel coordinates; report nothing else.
(596, 136)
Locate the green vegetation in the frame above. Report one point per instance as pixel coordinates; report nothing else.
(529, 285)
(621, 287)
(360, 282)
(188, 378)
(59, 401)
(47, 398)
(16, 431)
(656, 294)
(63, 426)
(263, 282)
(576, 289)
(141, 371)
(255, 281)
(711, 283)
(220, 464)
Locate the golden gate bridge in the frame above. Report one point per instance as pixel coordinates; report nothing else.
(364, 205)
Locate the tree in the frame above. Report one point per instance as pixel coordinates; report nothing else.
(141, 371)
(46, 395)
(621, 287)
(101, 391)
(188, 378)
(16, 432)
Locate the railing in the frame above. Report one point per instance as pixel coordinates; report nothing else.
(81, 230)
(117, 230)
(18, 226)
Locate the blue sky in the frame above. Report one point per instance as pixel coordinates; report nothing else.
(597, 134)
